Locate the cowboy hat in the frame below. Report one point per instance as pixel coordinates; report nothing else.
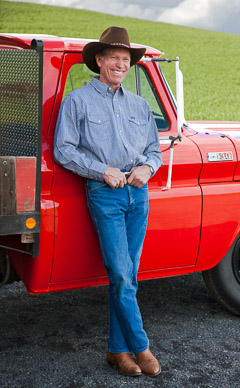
(112, 38)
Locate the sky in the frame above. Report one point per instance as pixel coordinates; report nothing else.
(216, 15)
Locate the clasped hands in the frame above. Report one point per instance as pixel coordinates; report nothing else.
(138, 176)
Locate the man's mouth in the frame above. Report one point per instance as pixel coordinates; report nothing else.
(117, 72)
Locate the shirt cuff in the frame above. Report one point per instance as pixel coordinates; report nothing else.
(96, 171)
(152, 163)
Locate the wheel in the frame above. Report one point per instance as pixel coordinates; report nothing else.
(223, 281)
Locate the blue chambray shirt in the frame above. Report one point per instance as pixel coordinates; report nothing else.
(98, 128)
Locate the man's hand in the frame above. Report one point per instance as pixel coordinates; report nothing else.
(114, 177)
(139, 176)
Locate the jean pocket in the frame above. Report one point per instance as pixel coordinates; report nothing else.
(95, 185)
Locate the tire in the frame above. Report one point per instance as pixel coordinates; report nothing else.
(8, 274)
(5, 268)
(223, 281)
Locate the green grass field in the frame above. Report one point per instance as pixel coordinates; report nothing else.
(210, 61)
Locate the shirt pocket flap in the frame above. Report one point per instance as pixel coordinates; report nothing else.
(137, 121)
(97, 119)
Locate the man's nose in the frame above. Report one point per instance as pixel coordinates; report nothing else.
(120, 63)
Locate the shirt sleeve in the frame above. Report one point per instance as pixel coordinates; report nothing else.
(67, 145)
(152, 152)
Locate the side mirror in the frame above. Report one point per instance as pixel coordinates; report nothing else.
(180, 121)
(180, 99)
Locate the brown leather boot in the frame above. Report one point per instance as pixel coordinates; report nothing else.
(124, 363)
(148, 363)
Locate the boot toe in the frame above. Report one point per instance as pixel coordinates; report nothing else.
(124, 364)
(148, 364)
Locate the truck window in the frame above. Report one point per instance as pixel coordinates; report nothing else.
(79, 75)
(138, 76)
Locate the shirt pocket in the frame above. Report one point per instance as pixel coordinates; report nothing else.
(139, 128)
(99, 127)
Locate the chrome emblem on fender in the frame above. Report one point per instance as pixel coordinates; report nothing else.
(219, 156)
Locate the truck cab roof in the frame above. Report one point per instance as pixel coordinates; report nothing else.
(56, 43)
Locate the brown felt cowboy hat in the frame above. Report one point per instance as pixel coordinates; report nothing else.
(113, 37)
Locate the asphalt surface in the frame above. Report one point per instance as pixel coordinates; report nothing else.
(60, 340)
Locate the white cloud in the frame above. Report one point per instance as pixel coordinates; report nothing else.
(121, 8)
(208, 14)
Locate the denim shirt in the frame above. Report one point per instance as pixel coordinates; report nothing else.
(98, 128)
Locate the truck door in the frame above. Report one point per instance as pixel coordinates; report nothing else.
(77, 258)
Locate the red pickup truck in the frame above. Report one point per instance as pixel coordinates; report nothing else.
(46, 235)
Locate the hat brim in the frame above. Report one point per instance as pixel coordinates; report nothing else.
(93, 48)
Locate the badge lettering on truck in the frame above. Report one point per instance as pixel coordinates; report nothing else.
(219, 156)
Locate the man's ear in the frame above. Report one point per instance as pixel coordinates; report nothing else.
(98, 60)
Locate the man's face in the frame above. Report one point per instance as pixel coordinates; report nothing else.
(114, 67)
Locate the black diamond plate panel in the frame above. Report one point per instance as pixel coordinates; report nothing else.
(18, 102)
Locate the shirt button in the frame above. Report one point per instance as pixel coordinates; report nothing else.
(117, 115)
(131, 160)
(99, 121)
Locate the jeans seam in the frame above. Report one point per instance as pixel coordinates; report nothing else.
(95, 218)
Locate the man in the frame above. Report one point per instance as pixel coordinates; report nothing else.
(108, 135)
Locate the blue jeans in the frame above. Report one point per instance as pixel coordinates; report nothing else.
(120, 218)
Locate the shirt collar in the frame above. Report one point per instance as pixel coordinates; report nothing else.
(103, 88)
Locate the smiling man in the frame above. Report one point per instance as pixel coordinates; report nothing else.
(108, 135)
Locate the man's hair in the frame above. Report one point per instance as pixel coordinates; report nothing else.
(102, 54)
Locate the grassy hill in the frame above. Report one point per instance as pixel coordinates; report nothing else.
(209, 60)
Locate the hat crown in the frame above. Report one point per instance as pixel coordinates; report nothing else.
(116, 36)
(112, 37)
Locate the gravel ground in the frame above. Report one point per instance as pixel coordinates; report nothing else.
(60, 340)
